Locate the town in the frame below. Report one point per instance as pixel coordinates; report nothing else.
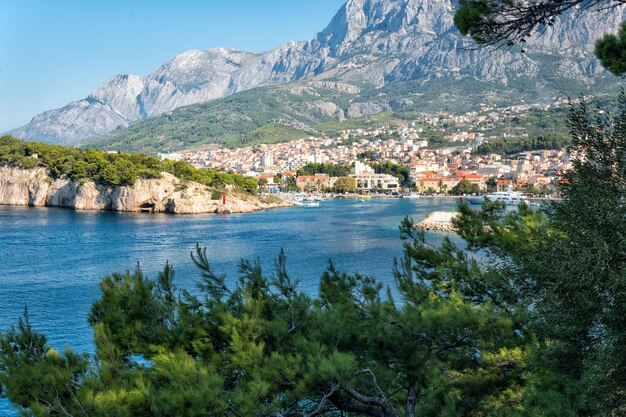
(438, 153)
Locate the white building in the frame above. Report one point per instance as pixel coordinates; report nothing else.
(267, 159)
(171, 156)
(361, 168)
(368, 181)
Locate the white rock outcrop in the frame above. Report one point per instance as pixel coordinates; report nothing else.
(438, 221)
(23, 187)
(34, 187)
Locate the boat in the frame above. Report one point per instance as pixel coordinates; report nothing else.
(411, 196)
(507, 197)
(476, 200)
(305, 202)
(309, 204)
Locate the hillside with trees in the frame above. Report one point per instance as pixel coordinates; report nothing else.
(511, 146)
(108, 168)
(333, 170)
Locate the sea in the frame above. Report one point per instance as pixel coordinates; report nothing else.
(52, 259)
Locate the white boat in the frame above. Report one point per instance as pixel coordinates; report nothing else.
(411, 196)
(309, 204)
(507, 197)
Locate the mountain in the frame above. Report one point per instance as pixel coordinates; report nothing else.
(369, 44)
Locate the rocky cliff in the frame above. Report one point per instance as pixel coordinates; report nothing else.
(368, 42)
(20, 187)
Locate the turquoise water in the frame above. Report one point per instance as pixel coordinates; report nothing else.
(52, 259)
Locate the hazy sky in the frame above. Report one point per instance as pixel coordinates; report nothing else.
(56, 51)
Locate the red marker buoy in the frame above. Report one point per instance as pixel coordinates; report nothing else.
(224, 199)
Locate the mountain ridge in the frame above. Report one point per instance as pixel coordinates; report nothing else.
(367, 43)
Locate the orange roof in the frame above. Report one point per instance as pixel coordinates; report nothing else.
(265, 176)
(313, 177)
(426, 174)
(471, 176)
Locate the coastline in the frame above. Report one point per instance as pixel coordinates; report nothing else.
(168, 194)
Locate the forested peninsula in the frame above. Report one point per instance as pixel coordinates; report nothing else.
(38, 174)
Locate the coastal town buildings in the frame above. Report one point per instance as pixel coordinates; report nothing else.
(368, 180)
(317, 182)
(433, 165)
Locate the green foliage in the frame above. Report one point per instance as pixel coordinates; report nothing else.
(30, 370)
(611, 51)
(569, 265)
(397, 170)
(260, 115)
(512, 146)
(345, 185)
(108, 168)
(274, 133)
(465, 187)
(333, 170)
(470, 16)
(261, 347)
(492, 184)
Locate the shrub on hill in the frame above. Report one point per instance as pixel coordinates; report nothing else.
(517, 145)
(333, 170)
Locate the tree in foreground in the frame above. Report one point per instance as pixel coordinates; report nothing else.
(567, 269)
(504, 23)
(528, 320)
(262, 348)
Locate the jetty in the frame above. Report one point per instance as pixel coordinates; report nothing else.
(438, 221)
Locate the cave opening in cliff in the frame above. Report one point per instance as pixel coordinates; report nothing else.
(147, 207)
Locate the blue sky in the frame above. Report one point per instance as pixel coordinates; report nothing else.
(56, 51)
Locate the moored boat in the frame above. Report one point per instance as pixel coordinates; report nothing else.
(476, 200)
(506, 197)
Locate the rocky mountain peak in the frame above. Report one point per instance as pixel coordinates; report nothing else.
(120, 93)
(368, 42)
(359, 22)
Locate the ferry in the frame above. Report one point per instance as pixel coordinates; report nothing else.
(507, 197)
